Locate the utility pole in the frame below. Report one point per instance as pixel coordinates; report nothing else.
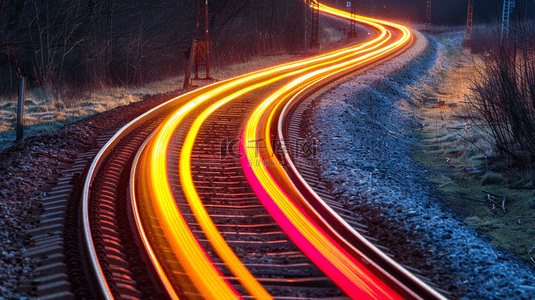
(428, 15)
(526, 12)
(314, 34)
(508, 6)
(352, 25)
(469, 23)
(20, 109)
(201, 46)
(308, 24)
(204, 46)
(311, 24)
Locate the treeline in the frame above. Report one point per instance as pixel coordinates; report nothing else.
(72, 46)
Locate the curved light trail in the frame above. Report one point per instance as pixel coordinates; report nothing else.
(350, 275)
(154, 190)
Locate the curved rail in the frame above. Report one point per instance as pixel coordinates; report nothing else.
(190, 254)
(150, 186)
(305, 215)
(102, 287)
(315, 237)
(354, 242)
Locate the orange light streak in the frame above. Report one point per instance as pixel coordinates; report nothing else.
(198, 265)
(344, 270)
(204, 220)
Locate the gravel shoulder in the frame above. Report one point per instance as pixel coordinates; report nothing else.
(366, 136)
(27, 172)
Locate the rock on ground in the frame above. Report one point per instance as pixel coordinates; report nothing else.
(365, 135)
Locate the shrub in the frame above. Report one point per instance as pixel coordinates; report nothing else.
(503, 98)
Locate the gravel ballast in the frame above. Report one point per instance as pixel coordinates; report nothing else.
(28, 170)
(365, 136)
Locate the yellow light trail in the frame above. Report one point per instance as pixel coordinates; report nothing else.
(198, 265)
(206, 223)
(144, 239)
(350, 275)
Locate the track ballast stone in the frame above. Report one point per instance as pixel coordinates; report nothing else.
(365, 138)
(28, 169)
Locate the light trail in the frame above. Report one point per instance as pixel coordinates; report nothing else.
(168, 213)
(157, 193)
(195, 202)
(144, 239)
(349, 274)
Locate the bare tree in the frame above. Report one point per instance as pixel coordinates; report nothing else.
(71, 46)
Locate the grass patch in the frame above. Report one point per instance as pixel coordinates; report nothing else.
(45, 113)
(461, 159)
(7, 137)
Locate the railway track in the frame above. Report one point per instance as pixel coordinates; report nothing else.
(203, 197)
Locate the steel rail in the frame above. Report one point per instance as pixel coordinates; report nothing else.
(228, 89)
(162, 200)
(325, 212)
(134, 211)
(96, 272)
(274, 165)
(102, 287)
(349, 274)
(195, 202)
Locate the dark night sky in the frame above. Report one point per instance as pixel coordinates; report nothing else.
(447, 12)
